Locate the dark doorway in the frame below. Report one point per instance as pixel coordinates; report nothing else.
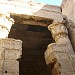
(35, 41)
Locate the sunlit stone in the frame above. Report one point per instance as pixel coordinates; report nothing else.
(5, 24)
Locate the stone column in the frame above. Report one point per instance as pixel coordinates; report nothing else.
(60, 54)
(10, 49)
(5, 24)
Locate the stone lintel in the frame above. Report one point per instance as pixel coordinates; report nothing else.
(31, 20)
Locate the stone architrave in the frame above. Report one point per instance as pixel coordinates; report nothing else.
(61, 53)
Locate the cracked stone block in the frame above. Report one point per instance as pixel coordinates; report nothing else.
(12, 55)
(11, 66)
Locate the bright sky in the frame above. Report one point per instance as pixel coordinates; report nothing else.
(51, 2)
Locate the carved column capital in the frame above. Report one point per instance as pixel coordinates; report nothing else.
(58, 31)
(5, 24)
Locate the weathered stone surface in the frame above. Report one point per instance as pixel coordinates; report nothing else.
(59, 53)
(10, 43)
(72, 37)
(73, 60)
(9, 55)
(1, 53)
(48, 14)
(33, 8)
(55, 56)
(1, 65)
(64, 64)
(68, 9)
(12, 55)
(11, 66)
(60, 57)
(52, 8)
(5, 24)
(71, 31)
(59, 48)
(59, 32)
